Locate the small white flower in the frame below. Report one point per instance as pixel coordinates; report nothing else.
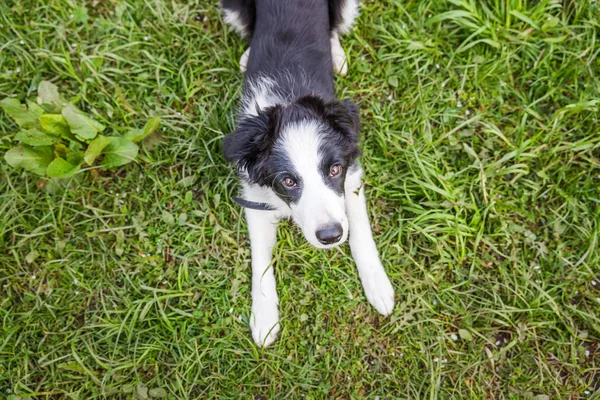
(459, 104)
(467, 112)
(536, 267)
(33, 277)
(594, 283)
(75, 281)
(434, 302)
(73, 45)
(77, 292)
(146, 38)
(17, 70)
(230, 310)
(443, 84)
(22, 41)
(587, 392)
(587, 353)
(199, 273)
(454, 337)
(498, 342)
(71, 16)
(437, 66)
(436, 359)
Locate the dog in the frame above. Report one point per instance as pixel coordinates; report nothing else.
(296, 145)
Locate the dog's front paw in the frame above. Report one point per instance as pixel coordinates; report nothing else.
(340, 63)
(244, 60)
(264, 322)
(379, 291)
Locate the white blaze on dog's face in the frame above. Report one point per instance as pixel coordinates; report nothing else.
(313, 183)
(301, 153)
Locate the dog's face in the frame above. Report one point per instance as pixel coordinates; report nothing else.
(302, 152)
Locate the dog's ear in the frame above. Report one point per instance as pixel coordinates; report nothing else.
(344, 116)
(248, 146)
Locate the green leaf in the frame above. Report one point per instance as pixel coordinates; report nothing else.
(24, 116)
(157, 393)
(95, 148)
(136, 135)
(465, 335)
(61, 168)
(75, 157)
(168, 218)
(550, 23)
(81, 125)
(34, 137)
(120, 151)
(56, 124)
(48, 94)
(80, 15)
(31, 256)
(34, 160)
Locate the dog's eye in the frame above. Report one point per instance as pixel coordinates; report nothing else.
(289, 182)
(335, 170)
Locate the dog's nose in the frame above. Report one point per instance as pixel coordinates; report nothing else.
(330, 234)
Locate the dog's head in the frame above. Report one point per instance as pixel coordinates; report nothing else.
(302, 152)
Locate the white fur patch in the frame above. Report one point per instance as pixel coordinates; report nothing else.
(340, 64)
(261, 94)
(264, 321)
(319, 205)
(233, 19)
(244, 60)
(378, 289)
(349, 14)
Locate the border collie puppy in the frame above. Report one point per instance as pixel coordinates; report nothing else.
(296, 144)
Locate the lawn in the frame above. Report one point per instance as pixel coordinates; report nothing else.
(481, 150)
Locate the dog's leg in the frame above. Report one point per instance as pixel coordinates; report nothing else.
(377, 286)
(340, 64)
(264, 321)
(244, 60)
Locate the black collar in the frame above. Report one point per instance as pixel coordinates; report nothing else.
(253, 205)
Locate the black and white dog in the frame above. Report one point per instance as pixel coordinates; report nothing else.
(296, 144)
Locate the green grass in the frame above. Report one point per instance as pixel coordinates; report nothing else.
(482, 155)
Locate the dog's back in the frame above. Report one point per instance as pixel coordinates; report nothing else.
(291, 37)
